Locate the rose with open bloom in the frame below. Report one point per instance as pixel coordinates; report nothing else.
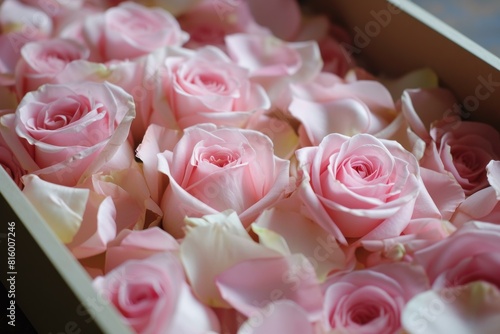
(153, 296)
(206, 86)
(41, 61)
(130, 30)
(463, 149)
(371, 300)
(19, 24)
(467, 255)
(208, 23)
(61, 132)
(213, 169)
(360, 186)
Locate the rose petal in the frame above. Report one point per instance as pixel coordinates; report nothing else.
(252, 284)
(61, 207)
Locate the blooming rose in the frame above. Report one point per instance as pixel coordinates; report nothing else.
(130, 30)
(65, 132)
(359, 186)
(212, 170)
(209, 22)
(41, 61)
(468, 255)
(371, 300)
(463, 149)
(153, 297)
(19, 24)
(206, 86)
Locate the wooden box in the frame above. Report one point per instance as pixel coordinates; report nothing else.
(394, 36)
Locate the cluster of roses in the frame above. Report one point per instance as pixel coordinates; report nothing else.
(230, 169)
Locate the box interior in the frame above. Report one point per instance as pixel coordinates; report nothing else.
(51, 287)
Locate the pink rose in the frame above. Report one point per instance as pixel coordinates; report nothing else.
(360, 186)
(41, 61)
(327, 105)
(130, 30)
(212, 170)
(205, 86)
(65, 133)
(463, 149)
(371, 300)
(209, 22)
(19, 24)
(468, 255)
(153, 296)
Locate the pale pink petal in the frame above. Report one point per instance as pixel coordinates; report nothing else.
(210, 249)
(61, 207)
(130, 244)
(302, 235)
(482, 205)
(282, 316)
(250, 285)
(420, 78)
(343, 116)
(474, 308)
(191, 316)
(97, 229)
(421, 107)
(444, 190)
(279, 130)
(156, 140)
(493, 172)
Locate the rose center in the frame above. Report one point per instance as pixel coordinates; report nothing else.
(62, 113)
(142, 293)
(366, 314)
(207, 35)
(466, 162)
(211, 82)
(220, 159)
(362, 169)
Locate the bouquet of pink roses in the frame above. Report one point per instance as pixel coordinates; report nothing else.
(223, 166)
